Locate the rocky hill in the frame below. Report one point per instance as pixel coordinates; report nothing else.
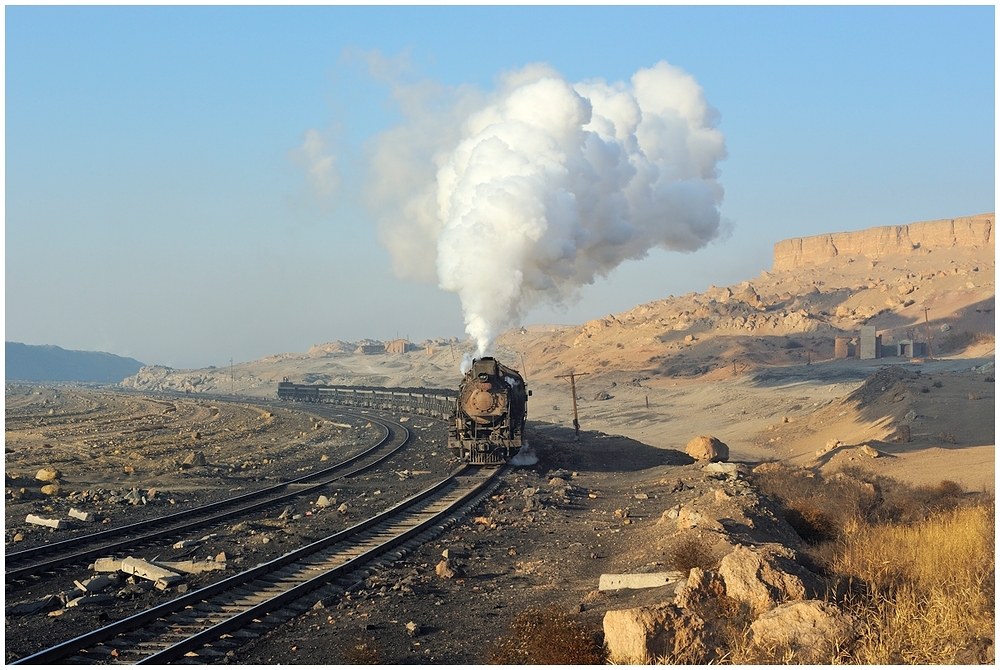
(875, 243)
(783, 317)
(50, 363)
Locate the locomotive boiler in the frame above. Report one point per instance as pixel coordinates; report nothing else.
(487, 423)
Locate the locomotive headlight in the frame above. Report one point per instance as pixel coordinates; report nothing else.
(483, 376)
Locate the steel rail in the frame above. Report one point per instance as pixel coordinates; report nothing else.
(263, 497)
(310, 554)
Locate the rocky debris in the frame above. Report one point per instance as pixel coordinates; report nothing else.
(323, 501)
(665, 632)
(194, 459)
(700, 587)
(729, 469)
(445, 569)
(98, 583)
(413, 629)
(869, 452)
(193, 567)
(688, 518)
(811, 629)
(707, 448)
(51, 489)
(44, 604)
(765, 576)
(161, 577)
(48, 474)
(830, 446)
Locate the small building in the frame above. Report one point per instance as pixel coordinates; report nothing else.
(871, 344)
(369, 349)
(844, 347)
(398, 347)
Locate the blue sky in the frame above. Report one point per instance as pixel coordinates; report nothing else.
(154, 207)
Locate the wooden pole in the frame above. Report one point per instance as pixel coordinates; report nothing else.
(572, 385)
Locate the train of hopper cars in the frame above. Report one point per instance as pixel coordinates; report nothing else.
(486, 418)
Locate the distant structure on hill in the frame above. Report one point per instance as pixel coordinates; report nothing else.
(49, 363)
(874, 243)
(868, 345)
(399, 347)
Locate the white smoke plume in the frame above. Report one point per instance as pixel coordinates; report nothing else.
(528, 193)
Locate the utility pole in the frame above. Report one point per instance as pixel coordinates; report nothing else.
(232, 377)
(927, 329)
(572, 384)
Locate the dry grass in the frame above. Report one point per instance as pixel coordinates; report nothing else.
(546, 636)
(914, 565)
(925, 592)
(363, 651)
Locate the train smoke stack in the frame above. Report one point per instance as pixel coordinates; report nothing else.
(531, 192)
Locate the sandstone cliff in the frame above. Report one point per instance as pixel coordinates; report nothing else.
(874, 243)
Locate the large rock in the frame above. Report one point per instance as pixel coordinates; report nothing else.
(766, 576)
(48, 474)
(643, 635)
(708, 448)
(194, 459)
(701, 587)
(811, 629)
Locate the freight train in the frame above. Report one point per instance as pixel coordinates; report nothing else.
(485, 420)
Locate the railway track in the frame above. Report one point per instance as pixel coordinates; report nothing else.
(46, 559)
(202, 625)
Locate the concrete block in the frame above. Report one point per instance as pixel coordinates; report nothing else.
(82, 516)
(647, 580)
(107, 565)
(146, 570)
(41, 521)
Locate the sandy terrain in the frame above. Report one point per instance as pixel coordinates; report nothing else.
(751, 364)
(731, 362)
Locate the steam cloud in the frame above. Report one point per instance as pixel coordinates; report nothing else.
(526, 194)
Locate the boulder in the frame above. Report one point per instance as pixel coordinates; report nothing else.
(701, 587)
(811, 629)
(47, 474)
(708, 448)
(194, 459)
(664, 632)
(444, 569)
(766, 576)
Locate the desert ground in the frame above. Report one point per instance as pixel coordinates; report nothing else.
(750, 364)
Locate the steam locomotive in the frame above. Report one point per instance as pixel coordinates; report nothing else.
(487, 423)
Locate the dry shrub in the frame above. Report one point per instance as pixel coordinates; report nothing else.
(924, 592)
(363, 651)
(690, 552)
(546, 636)
(819, 509)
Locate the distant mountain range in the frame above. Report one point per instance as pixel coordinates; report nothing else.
(50, 363)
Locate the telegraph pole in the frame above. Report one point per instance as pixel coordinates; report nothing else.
(232, 378)
(572, 384)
